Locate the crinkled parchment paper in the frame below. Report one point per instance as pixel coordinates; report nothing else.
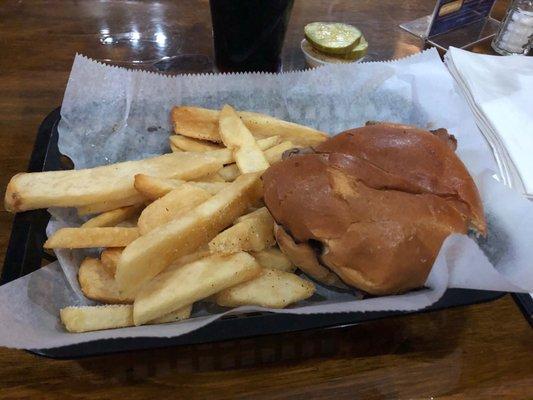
(111, 114)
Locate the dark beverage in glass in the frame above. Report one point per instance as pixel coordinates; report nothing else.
(249, 34)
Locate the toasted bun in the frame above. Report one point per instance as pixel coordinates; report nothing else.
(374, 204)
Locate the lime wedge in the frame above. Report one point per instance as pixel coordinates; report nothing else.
(332, 37)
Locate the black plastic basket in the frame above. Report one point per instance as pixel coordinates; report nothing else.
(25, 254)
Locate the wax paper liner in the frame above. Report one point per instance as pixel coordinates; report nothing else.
(111, 114)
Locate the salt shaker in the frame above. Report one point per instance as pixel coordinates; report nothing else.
(515, 35)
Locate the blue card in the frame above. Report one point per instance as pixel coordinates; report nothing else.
(453, 14)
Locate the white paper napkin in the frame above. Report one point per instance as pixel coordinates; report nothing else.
(499, 91)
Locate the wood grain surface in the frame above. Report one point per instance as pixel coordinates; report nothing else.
(477, 352)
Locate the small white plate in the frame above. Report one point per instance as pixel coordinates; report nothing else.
(313, 61)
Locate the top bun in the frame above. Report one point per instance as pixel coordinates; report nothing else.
(373, 205)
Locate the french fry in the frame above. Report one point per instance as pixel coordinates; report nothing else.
(95, 318)
(253, 212)
(171, 206)
(175, 149)
(230, 172)
(196, 122)
(153, 188)
(173, 316)
(113, 217)
(96, 277)
(211, 178)
(82, 238)
(98, 284)
(109, 259)
(182, 285)
(274, 258)
(273, 155)
(75, 188)
(151, 253)
(235, 135)
(268, 142)
(210, 187)
(272, 289)
(189, 144)
(262, 125)
(202, 252)
(254, 233)
(110, 205)
(202, 123)
(226, 156)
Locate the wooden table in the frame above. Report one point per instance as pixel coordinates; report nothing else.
(482, 351)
